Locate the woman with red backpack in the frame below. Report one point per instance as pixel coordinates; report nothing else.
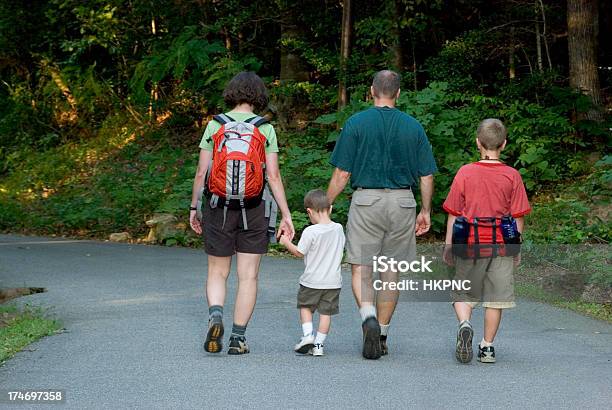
(239, 174)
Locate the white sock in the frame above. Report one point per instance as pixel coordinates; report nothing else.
(307, 328)
(320, 338)
(484, 343)
(367, 311)
(384, 330)
(464, 323)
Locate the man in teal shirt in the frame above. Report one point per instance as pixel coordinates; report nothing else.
(384, 153)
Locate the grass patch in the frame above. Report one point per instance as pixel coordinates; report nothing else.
(594, 310)
(20, 327)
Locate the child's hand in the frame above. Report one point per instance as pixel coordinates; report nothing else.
(284, 240)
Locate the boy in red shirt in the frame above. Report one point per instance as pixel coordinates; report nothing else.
(487, 190)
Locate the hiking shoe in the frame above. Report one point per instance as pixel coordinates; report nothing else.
(486, 354)
(306, 343)
(238, 345)
(371, 339)
(214, 335)
(463, 351)
(384, 350)
(317, 350)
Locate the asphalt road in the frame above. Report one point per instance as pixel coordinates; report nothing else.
(135, 318)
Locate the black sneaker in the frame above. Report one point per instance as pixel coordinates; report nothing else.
(238, 345)
(214, 336)
(463, 351)
(486, 354)
(384, 350)
(371, 339)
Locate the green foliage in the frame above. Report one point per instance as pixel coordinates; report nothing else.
(579, 214)
(188, 51)
(102, 102)
(24, 327)
(109, 184)
(457, 62)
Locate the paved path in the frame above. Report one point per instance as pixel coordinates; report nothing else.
(135, 317)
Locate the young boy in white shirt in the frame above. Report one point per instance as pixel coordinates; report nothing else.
(321, 246)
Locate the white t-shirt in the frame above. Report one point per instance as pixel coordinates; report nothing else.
(322, 246)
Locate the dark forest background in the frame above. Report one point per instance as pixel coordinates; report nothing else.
(103, 102)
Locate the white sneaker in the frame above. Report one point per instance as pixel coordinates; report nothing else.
(317, 350)
(306, 343)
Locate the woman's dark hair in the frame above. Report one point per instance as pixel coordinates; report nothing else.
(246, 87)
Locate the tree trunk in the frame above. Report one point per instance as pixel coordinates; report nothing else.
(292, 66)
(544, 38)
(538, 40)
(582, 31)
(414, 62)
(345, 52)
(511, 62)
(398, 56)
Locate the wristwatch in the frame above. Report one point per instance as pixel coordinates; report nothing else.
(193, 208)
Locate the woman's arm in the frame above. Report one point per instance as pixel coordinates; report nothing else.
(198, 184)
(278, 190)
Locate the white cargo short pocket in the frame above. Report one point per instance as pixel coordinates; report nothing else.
(366, 200)
(406, 202)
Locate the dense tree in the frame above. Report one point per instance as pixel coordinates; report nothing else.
(582, 32)
(345, 50)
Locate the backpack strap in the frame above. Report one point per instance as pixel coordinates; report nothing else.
(223, 119)
(494, 247)
(270, 213)
(257, 121)
(476, 240)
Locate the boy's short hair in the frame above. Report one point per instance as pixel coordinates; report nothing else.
(491, 133)
(316, 200)
(246, 87)
(386, 83)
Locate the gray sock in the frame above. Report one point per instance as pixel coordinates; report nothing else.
(215, 310)
(238, 331)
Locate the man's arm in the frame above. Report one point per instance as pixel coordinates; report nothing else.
(423, 220)
(337, 183)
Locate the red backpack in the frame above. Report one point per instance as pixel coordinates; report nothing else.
(236, 176)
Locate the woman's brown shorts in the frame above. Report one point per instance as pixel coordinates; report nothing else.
(227, 239)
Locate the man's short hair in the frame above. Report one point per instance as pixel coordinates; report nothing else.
(246, 87)
(386, 83)
(491, 133)
(316, 200)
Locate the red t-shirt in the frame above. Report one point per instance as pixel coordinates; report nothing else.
(487, 189)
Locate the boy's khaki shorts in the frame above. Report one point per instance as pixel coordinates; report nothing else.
(326, 301)
(381, 223)
(493, 288)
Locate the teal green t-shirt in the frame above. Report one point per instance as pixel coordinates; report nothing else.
(383, 147)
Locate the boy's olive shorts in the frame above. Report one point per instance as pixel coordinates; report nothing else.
(381, 223)
(493, 288)
(326, 301)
